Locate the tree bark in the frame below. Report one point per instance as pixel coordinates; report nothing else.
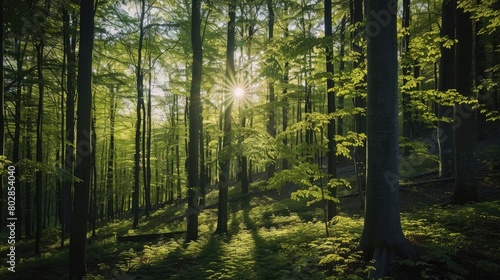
(382, 237)
(464, 115)
(446, 82)
(195, 111)
(77, 263)
(2, 124)
(140, 105)
(330, 84)
(17, 145)
(111, 158)
(359, 101)
(406, 67)
(69, 34)
(225, 158)
(271, 126)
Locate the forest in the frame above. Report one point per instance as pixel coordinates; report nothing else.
(250, 139)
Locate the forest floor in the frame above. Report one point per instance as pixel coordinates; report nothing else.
(274, 237)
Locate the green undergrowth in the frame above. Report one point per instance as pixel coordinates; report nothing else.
(271, 239)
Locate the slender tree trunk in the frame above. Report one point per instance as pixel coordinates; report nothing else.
(39, 144)
(147, 143)
(382, 237)
(111, 157)
(195, 111)
(69, 34)
(225, 158)
(406, 67)
(481, 65)
(140, 101)
(77, 263)
(340, 121)
(464, 115)
(332, 144)
(285, 106)
(446, 82)
(17, 145)
(27, 187)
(359, 101)
(271, 126)
(2, 124)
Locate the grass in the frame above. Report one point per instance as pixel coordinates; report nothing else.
(283, 239)
(274, 237)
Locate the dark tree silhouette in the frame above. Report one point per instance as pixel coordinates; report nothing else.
(195, 111)
(464, 116)
(382, 237)
(226, 142)
(77, 263)
(446, 82)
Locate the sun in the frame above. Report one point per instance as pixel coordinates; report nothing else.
(239, 92)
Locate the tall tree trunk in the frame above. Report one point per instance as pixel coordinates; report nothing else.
(39, 134)
(446, 82)
(359, 101)
(140, 101)
(406, 67)
(332, 145)
(480, 66)
(2, 124)
(195, 111)
(464, 115)
(93, 184)
(225, 158)
(69, 34)
(271, 126)
(111, 157)
(340, 121)
(148, 142)
(284, 108)
(382, 237)
(27, 187)
(77, 263)
(17, 145)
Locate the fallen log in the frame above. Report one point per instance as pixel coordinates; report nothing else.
(426, 182)
(148, 237)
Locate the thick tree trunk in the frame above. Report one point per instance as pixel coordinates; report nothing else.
(332, 144)
(195, 111)
(446, 82)
(464, 115)
(225, 158)
(382, 237)
(77, 264)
